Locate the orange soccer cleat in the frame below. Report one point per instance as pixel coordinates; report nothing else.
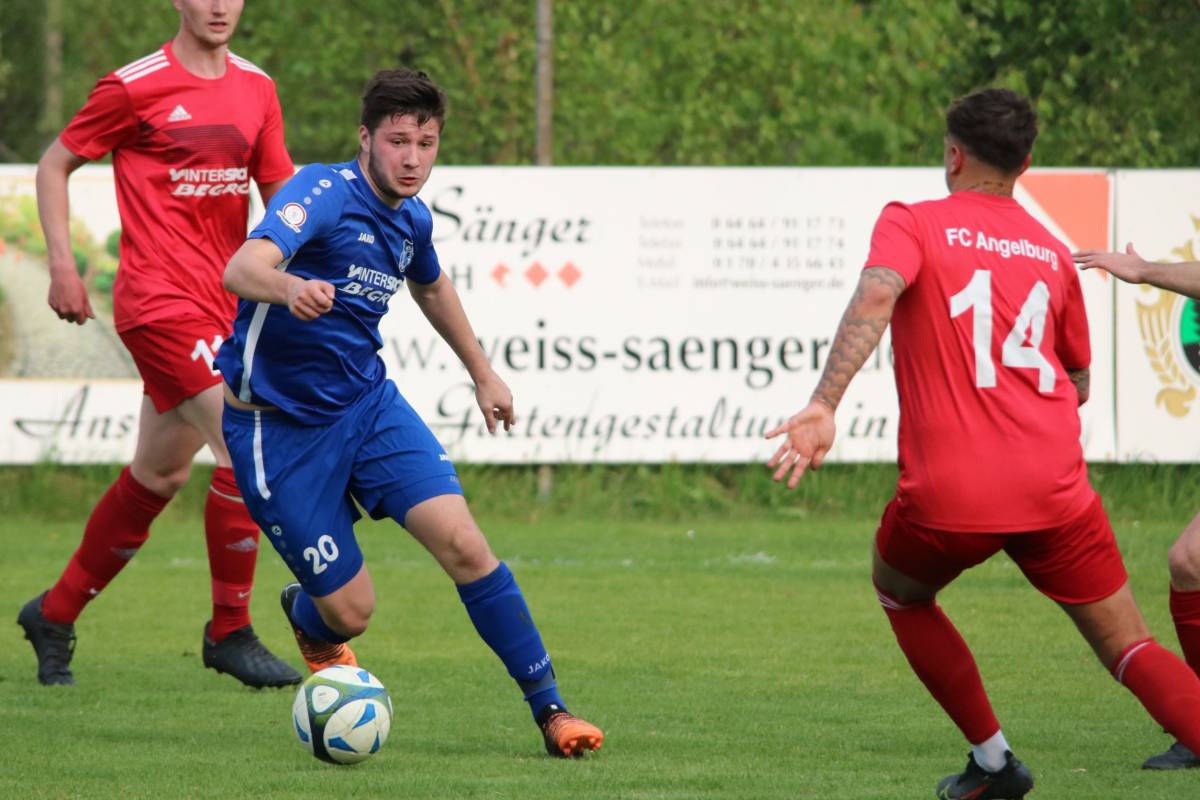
(566, 735)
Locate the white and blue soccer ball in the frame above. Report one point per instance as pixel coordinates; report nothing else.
(342, 714)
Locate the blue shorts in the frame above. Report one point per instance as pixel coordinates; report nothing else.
(300, 482)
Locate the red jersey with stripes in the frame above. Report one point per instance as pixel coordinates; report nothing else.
(991, 319)
(184, 150)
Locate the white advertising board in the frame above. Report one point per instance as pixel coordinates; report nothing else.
(1158, 332)
(639, 314)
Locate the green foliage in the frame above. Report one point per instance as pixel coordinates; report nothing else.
(748, 82)
(19, 226)
(631, 492)
(1112, 80)
(81, 261)
(112, 245)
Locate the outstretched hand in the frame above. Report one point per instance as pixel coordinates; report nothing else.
(496, 402)
(809, 436)
(1127, 266)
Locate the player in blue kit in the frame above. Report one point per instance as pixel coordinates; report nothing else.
(313, 423)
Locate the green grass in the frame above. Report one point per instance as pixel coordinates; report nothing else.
(727, 655)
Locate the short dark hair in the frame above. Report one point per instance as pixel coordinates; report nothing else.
(400, 92)
(997, 126)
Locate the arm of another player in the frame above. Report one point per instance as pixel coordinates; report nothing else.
(267, 190)
(253, 274)
(440, 304)
(1132, 268)
(810, 433)
(68, 296)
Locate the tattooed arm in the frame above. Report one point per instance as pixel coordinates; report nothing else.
(810, 433)
(1082, 378)
(862, 326)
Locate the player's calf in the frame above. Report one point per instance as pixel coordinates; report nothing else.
(321, 647)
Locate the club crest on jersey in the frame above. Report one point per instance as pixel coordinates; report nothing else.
(406, 257)
(293, 215)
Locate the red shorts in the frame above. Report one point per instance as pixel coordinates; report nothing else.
(1076, 562)
(175, 357)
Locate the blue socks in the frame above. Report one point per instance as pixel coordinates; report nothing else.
(308, 619)
(497, 608)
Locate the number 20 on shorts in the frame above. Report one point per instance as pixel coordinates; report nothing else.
(320, 556)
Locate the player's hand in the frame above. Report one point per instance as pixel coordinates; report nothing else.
(1128, 266)
(309, 299)
(68, 296)
(809, 437)
(495, 401)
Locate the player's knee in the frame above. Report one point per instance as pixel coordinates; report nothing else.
(164, 482)
(465, 550)
(1184, 562)
(352, 621)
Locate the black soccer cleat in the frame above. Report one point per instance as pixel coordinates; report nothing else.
(53, 643)
(242, 655)
(1178, 756)
(975, 783)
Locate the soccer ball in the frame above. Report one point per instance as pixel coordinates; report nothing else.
(342, 714)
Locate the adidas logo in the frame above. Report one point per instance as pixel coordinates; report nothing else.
(179, 115)
(247, 545)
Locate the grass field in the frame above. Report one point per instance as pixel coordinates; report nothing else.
(729, 651)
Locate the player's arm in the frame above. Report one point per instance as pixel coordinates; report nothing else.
(440, 304)
(68, 296)
(810, 433)
(253, 274)
(1132, 268)
(1082, 380)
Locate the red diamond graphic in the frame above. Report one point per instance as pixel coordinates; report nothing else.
(499, 272)
(569, 274)
(536, 274)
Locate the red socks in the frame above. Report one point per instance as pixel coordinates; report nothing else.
(1185, 610)
(118, 526)
(232, 538)
(1168, 689)
(941, 659)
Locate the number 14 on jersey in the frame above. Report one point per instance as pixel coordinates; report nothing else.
(1030, 326)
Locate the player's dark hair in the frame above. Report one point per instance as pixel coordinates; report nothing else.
(997, 126)
(400, 92)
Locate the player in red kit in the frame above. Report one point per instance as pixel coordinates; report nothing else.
(991, 358)
(188, 126)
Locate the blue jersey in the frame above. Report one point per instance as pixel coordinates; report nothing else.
(330, 226)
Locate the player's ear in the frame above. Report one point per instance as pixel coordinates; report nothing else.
(1025, 164)
(364, 138)
(954, 156)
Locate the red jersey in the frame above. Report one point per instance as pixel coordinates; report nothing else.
(991, 319)
(184, 151)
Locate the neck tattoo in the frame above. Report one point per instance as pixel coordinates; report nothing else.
(1001, 188)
